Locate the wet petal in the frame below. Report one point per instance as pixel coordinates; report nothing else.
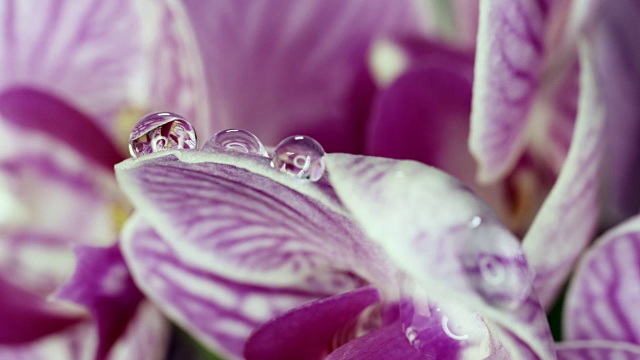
(101, 56)
(567, 219)
(219, 312)
(309, 331)
(20, 310)
(446, 239)
(387, 343)
(597, 350)
(302, 64)
(237, 216)
(37, 111)
(103, 285)
(602, 300)
(509, 61)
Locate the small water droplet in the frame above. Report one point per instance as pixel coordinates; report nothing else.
(235, 140)
(161, 131)
(301, 156)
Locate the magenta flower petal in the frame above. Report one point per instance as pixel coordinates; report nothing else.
(102, 57)
(34, 110)
(597, 350)
(568, 217)
(309, 331)
(387, 343)
(617, 61)
(448, 241)
(509, 61)
(103, 285)
(301, 64)
(20, 310)
(602, 300)
(247, 226)
(219, 312)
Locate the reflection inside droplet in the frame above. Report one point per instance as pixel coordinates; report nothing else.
(300, 156)
(237, 140)
(495, 265)
(161, 131)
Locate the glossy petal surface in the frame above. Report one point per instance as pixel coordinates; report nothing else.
(103, 285)
(567, 219)
(301, 64)
(387, 343)
(509, 61)
(309, 331)
(602, 300)
(391, 200)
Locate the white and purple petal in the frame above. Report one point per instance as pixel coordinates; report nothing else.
(102, 284)
(509, 61)
(567, 219)
(602, 299)
(597, 350)
(446, 240)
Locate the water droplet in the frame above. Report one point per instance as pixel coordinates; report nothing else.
(161, 131)
(301, 156)
(495, 265)
(235, 140)
(438, 331)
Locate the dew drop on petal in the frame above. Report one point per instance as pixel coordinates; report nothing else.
(300, 156)
(235, 140)
(161, 131)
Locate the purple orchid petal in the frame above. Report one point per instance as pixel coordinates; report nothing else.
(617, 61)
(602, 300)
(460, 251)
(219, 312)
(36, 242)
(34, 110)
(310, 331)
(256, 226)
(597, 350)
(146, 337)
(567, 219)
(102, 56)
(20, 310)
(301, 64)
(387, 343)
(103, 285)
(509, 61)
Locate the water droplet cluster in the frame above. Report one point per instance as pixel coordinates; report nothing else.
(300, 156)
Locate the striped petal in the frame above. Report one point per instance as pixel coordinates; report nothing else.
(102, 284)
(602, 300)
(103, 58)
(509, 60)
(301, 64)
(567, 219)
(597, 350)
(447, 241)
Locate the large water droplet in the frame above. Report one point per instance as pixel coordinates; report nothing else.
(495, 265)
(235, 140)
(161, 131)
(301, 156)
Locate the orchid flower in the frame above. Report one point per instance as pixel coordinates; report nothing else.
(72, 74)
